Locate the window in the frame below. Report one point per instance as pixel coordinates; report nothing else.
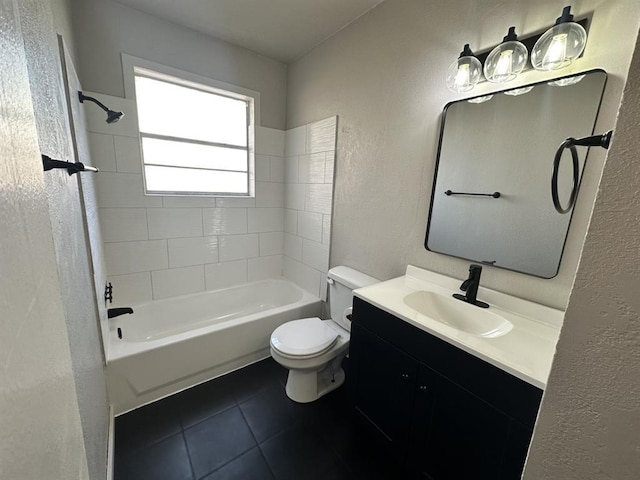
(196, 139)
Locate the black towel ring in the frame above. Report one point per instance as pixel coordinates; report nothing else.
(570, 143)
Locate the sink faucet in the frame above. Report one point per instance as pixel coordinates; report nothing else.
(116, 312)
(470, 286)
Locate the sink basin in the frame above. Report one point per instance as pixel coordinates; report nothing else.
(458, 314)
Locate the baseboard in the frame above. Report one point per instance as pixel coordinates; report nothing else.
(111, 445)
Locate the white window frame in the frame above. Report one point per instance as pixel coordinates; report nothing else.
(133, 65)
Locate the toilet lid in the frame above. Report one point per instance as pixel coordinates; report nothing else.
(303, 337)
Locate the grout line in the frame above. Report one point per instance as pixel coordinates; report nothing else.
(186, 446)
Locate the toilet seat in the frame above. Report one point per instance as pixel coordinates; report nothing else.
(304, 338)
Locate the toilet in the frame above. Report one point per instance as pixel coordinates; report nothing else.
(313, 349)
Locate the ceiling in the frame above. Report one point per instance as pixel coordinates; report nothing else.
(280, 29)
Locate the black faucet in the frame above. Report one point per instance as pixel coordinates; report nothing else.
(116, 312)
(470, 286)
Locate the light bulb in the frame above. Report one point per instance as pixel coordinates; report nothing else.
(462, 77)
(559, 46)
(556, 53)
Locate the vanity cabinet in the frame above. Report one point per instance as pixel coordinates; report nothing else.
(441, 413)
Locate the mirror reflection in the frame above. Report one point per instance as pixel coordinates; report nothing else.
(491, 199)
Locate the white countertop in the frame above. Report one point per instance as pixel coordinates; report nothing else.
(526, 351)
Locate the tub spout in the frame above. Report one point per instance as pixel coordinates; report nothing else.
(116, 312)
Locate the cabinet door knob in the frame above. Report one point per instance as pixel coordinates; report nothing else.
(405, 377)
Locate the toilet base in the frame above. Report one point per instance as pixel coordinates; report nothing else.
(304, 386)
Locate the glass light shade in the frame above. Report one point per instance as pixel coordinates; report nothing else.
(519, 91)
(483, 99)
(565, 82)
(464, 74)
(559, 46)
(505, 62)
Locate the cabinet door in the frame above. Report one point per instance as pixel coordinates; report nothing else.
(383, 386)
(455, 435)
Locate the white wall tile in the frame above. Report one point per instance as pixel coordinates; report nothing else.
(269, 141)
(236, 247)
(224, 221)
(225, 274)
(321, 136)
(236, 202)
(277, 169)
(295, 141)
(123, 224)
(265, 267)
(131, 289)
(291, 167)
(271, 243)
(96, 117)
(293, 247)
(305, 277)
(102, 151)
(310, 226)
(266, 220)
(184, 252)
(269, 194)
(174, 222)
(291, 221)
(311, 168)
(188, 202)
(315, 255)
(326, 229)
(123, 190)
(177, 281)
(135, 257)
(128, 155)
(319, 198)
(330, 161)
(294, 196)
(263, 168)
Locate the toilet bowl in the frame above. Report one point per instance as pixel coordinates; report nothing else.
(313, 349)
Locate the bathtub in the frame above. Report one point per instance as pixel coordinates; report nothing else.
(172, 344)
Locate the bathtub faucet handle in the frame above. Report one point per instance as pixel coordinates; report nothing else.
(116, 312)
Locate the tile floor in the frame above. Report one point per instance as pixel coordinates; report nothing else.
(243, 426)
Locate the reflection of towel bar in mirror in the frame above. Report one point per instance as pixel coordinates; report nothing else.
(494, 194)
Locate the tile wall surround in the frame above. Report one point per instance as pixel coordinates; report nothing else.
(158, 247)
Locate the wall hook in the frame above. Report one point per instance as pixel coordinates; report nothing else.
(49, 164)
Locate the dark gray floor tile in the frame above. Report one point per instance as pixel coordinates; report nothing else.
(217, 440)
(298, 453)
(146, 425)
(166, 459)
(205, 400)
(271, 411)
(250, 380)
(249, 466)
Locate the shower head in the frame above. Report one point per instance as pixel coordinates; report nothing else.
(112, 116)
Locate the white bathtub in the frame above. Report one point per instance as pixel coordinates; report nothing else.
(172, 344)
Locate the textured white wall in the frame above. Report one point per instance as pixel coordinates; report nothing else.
(105, 29)
(68, 228)
(41, 427)
(384, 77)
(589, 422)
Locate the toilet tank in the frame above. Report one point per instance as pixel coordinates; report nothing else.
(342, 281)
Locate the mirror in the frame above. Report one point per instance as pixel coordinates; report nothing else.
(506, 144)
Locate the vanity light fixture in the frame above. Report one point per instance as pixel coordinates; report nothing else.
(112, 116)
(565, 82)
(482, 99)
(556, 48)
(559, 46)
(507, 60)
(464, 73)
